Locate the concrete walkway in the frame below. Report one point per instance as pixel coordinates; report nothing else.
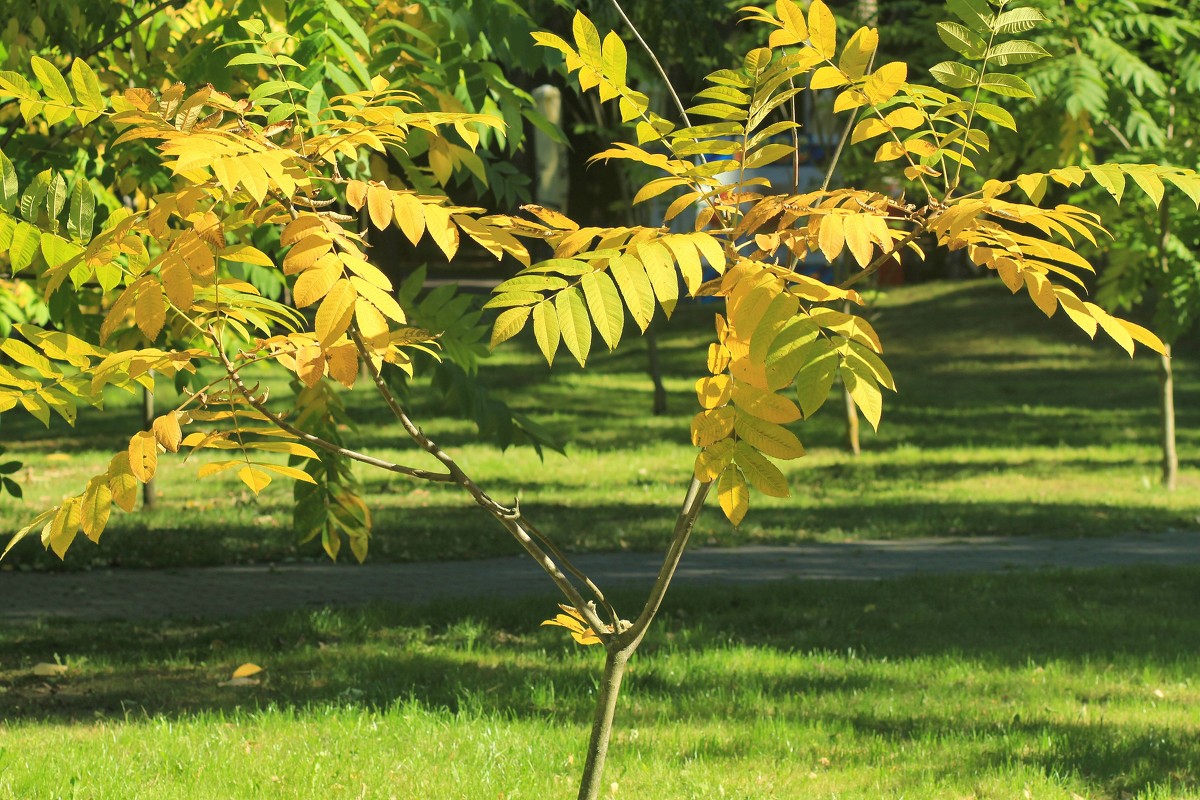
(236, 590)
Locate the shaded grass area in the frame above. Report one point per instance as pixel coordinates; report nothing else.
(1006, 424)
(984, 686)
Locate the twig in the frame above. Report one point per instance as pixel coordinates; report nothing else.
(412, 472)
(510, 518)
(657, 64)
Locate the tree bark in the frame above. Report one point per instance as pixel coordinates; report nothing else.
(606, 707)
(1170, 458)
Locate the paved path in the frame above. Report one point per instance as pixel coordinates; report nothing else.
(231, 591)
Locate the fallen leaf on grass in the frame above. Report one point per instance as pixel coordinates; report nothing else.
(244, 676)
(45, 670)
(246, 670)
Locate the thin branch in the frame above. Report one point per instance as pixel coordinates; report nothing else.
(874, 266)
(837, 153)
(422, 474)
(510, 518)
(693, 503)
(657, 64)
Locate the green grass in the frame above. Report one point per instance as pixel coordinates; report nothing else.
(1006, 424)
(1048, 685)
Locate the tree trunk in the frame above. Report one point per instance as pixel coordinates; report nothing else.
(1166, 378)
(1170, 458)
(606, 707)
(655, 369)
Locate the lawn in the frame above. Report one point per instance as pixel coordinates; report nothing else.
(1006, 423)
(1048, 685)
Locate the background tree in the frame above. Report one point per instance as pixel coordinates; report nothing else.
(1126, 88)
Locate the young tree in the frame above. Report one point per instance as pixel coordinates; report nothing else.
(265, 183)
(1125, 89)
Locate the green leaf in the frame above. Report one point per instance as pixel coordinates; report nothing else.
(1018, 20)
(56, 198)
(1017, 52)
(31, 200)
(87, 89)
(954, 75)
(352, 27)
(352, 58)
(545, 330)
(250, 58)
(509, 324)
(1110, 177)
(605, 305)
(52, 80)
(996, 114)
(974, 13)
(8, 185)
(1006, 85)
(573, 324)
(961, 40)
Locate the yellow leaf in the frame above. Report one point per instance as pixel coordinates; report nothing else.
(822, 29)
(886, 81)
(409, 215)
(167, 432)
(256, 479)
(767, 437)
(247, 670)
(315, 283)
(573, 323)
(143, 456)
(761, 473)
(379, 205)
(827, 78)
(151, 310)
(342, 361)
(764, 405)
(573, 621)
(96, 507)
(177, 280)
(442, 230)
(290, 472)
(792, 17)
(509, 324)
(713, 391)
(121, 481)
(866, 395)
(857, 53)
(604, 303)
(305, 253)
(733, 494)
(335, 312)
(905, 117)
(379, 298)
(372, 324)
(310, 364)
(356, 194)
(867, 129)
(858, 238)
(718, 358)
(832, 235)
(713, 459)
(46, 670)
(712, 426)
(299, 228)
(64, 527)
(1143, 336)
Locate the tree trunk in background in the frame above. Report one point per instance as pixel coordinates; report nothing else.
(1166, 376)
(852, 437)
(655, 368)
(1170, 458)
